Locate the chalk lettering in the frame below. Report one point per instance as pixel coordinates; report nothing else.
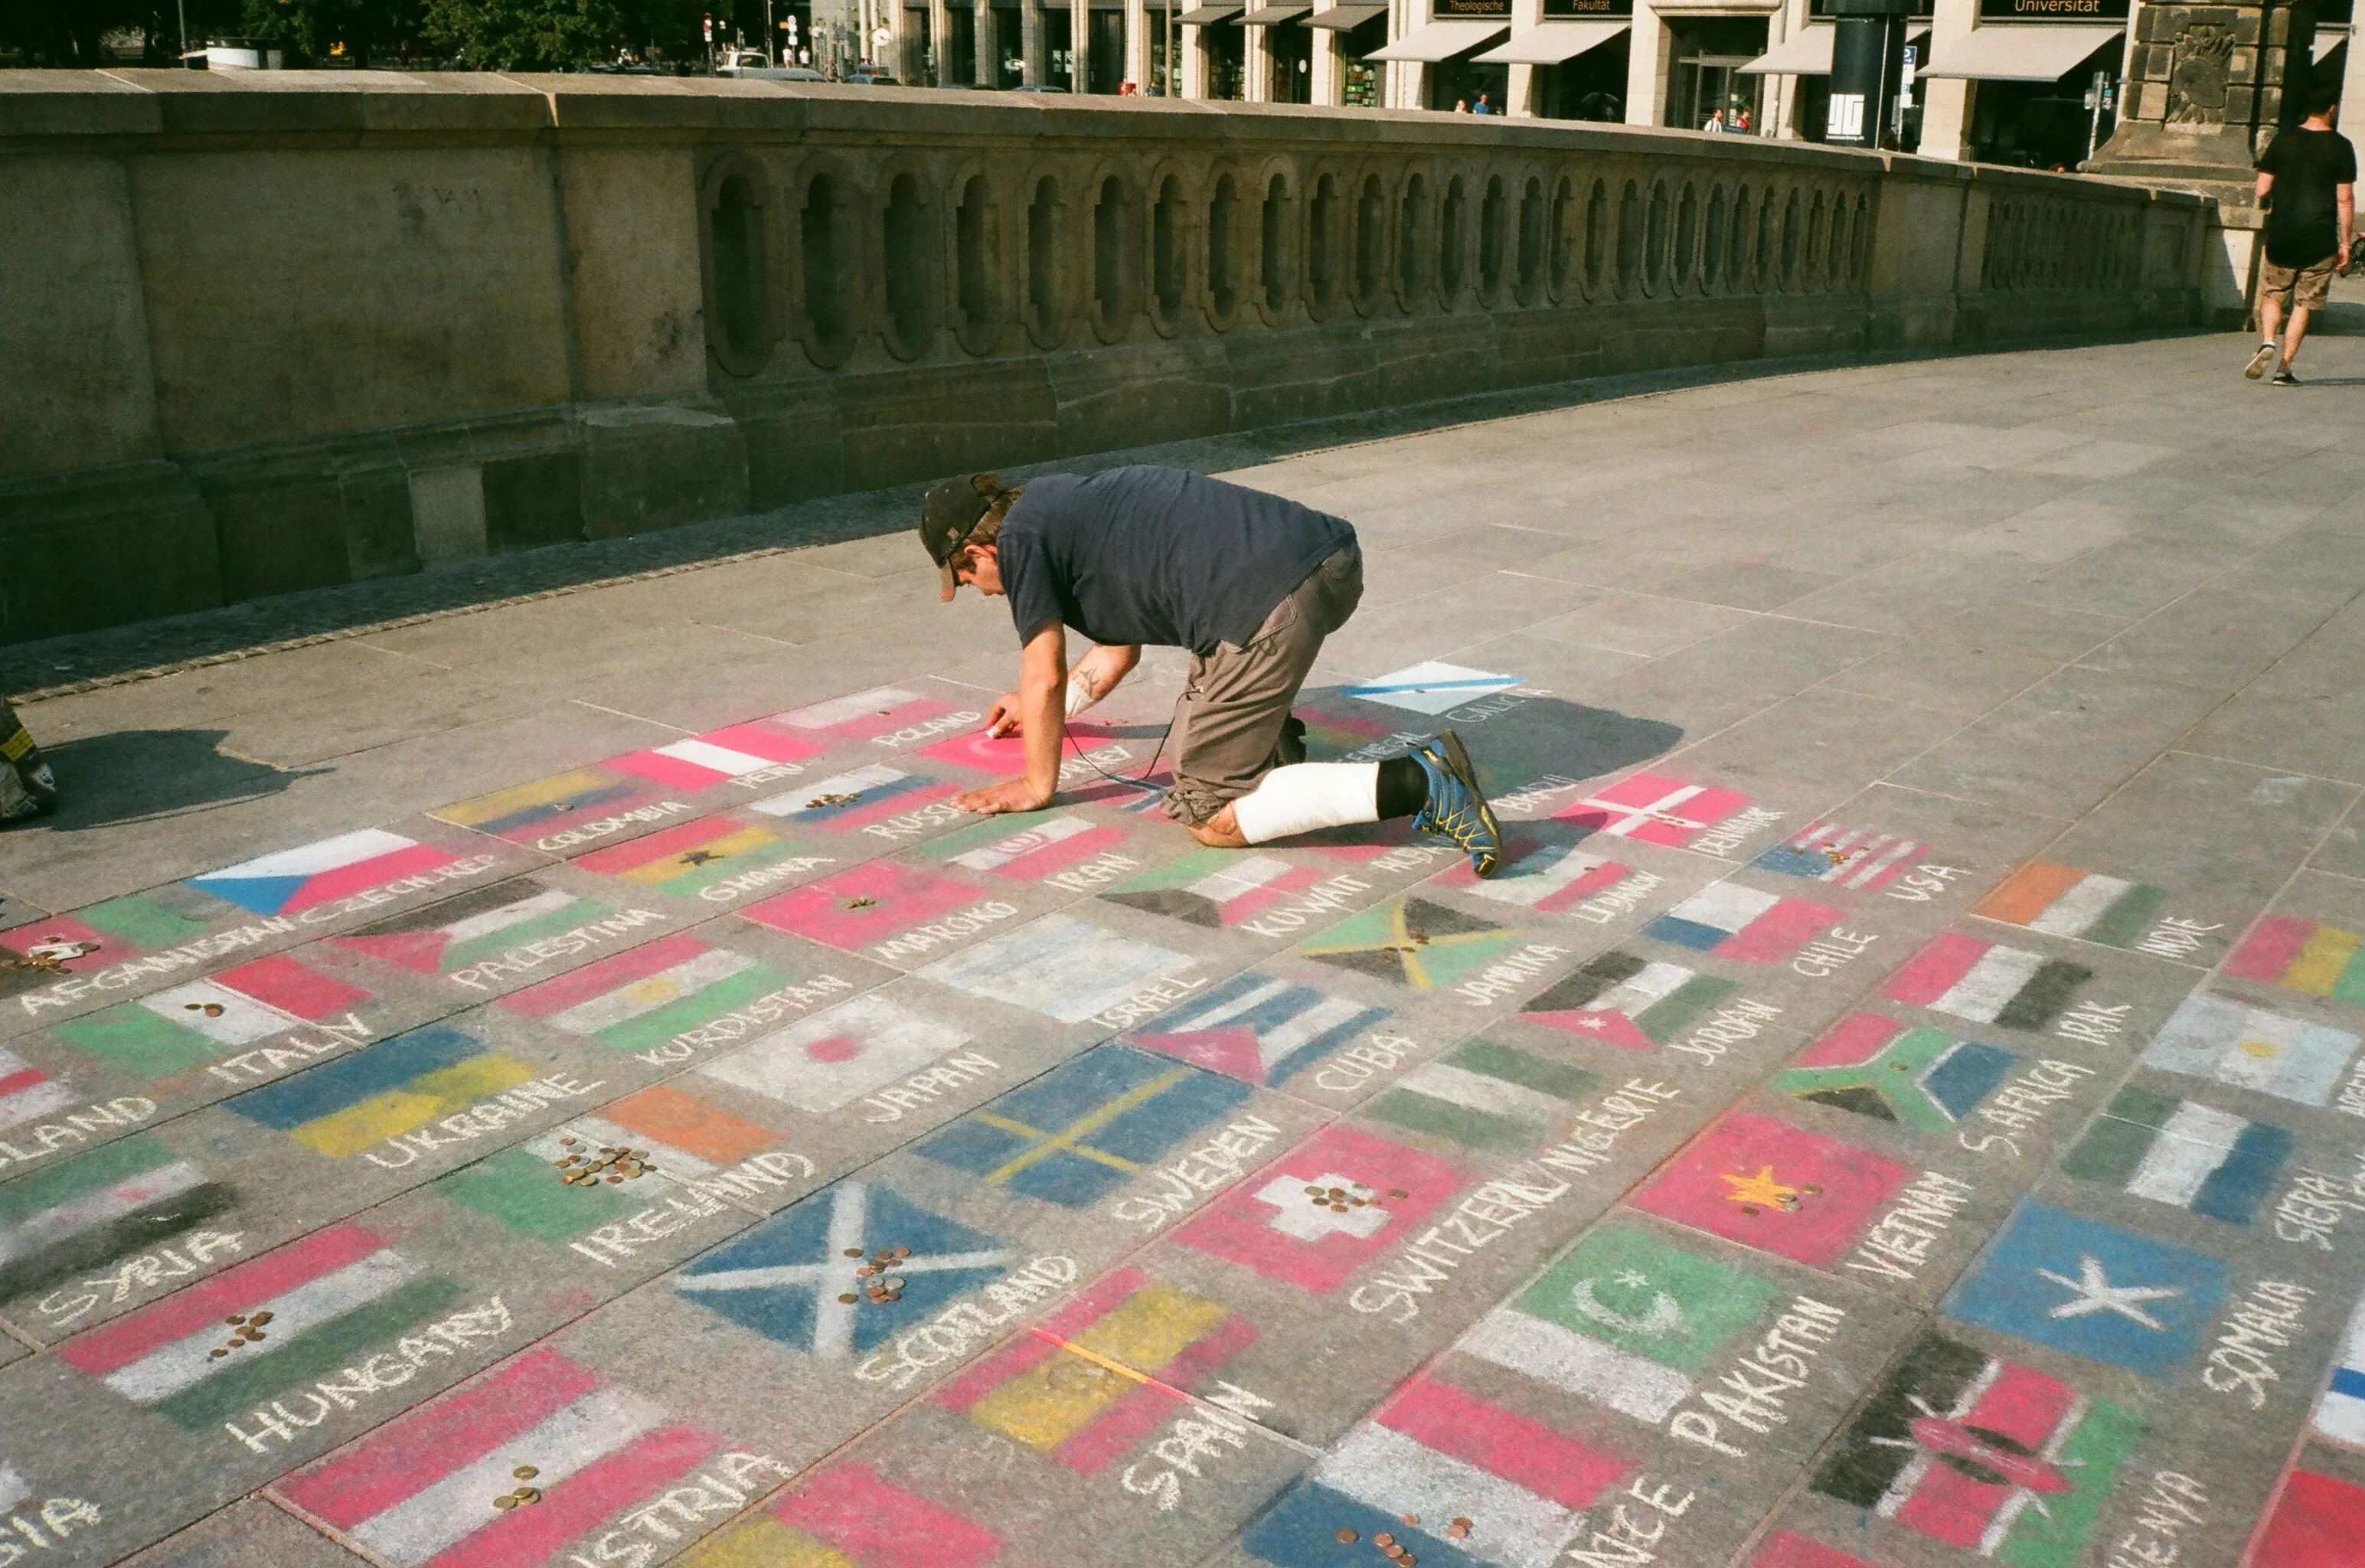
(959, 1328)
(1726, 836)
(526, 958)
(1749, 1393)
(1827, 954)
(924, 1089)
(2093, 1023)
(741, 1022)
(1924, 882)
(2267, 1320)
(160, 1270)
(1736, 1022)
(345, 1389)
(482, 1119)
(1172, 1187)
(732, 888)
(2311, 1209)
(26, 1144)
(1085, 875)
(1899, 1242)
(953, 927)
(1149, 1003)
(1354, 1066)
(2170, 1505)
(1328, 898)
(1510, 975)
(605, 827)
(2022, 1105)
(296, 1050)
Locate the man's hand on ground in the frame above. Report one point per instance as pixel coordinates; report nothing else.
(1010, 795)
(1003, 718)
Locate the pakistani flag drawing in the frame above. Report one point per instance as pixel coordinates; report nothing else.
(1842, 856)
(121, 1198)
(294, 881)
(2219, 1038)
(644, 996)
(324, 1304)
(1982, 1454)
(1086, 1128)
(709, 860)
(1877, 1066)
(1987, 983)
(718, 757)
(1218, 888)
(783, 1279)
(1743, 923)
(190, 1025)
(1485, 1096)
(1621, 1000)
(1258, 1028)
(481, 923)
(2182, 1153)
(1414, 941)
(1432, 1452)
(396, 1086)
(2062, 901)
(2302, 955)
(1626, 1320)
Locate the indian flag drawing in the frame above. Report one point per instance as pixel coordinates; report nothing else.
(2062, 901)
(190, 1024)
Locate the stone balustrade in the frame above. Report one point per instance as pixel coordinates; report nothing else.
(275, 330)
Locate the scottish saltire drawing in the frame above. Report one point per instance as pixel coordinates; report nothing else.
(1430, 687)
(128, 1196)
(1844, 857)
(1877, 1066)
(1027, 854)
(1654, 809)
(191, 1023)
(524, 812)
(332, 1297)
(1625, 1000)
(1549, 878)
(2062, 901)
(687, 860)
(1485, 1096)
(848, 1516)
(1626, 1320)
(1216, 888)
(25, 1092)
(2316, 1518)
(1982, 1454)
(1060, 966)
(784, 1278)
(2302, 955)
(2182, 1153)
(735, 751)
(868, 903)
(848, 801)
(1033, 1390)
(1747, 923)
(1258, 1028)
(646, 995)
(481, 923)
(347, 1104)
(1414, 941)
(1770, 1185)
(1435, 1452)
(1273, 1224)
(2073, 1284)
(2340, 1413)
(885, 715)
(294, 881)
(1986, 982)
(836, 1057)
(1087, 1127)
(2250, 1048)
(417, 1491)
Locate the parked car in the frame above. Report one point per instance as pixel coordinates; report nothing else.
(873, 79)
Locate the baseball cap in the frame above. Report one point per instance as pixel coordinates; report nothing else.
(949, 513)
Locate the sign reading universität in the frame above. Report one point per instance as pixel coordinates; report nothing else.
(2053, 10)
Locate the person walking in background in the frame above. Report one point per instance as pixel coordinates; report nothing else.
(1715, 122)
(1482, 106)
(1741, 122)
(2307, 181)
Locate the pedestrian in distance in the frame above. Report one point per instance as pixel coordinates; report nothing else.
(1741, 122)
(1482, 106)
(1715, 122)
(1251, 584)
(1460, 106)
(2307, 181)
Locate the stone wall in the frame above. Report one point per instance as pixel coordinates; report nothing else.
(268, 332)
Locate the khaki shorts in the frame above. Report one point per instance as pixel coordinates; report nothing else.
(1235, 697)
(2305, 288)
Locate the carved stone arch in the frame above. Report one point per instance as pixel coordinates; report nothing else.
(1047, 293)
(826, 200)
(905, 245)
(1371, 237)
(1174, 266)
(1229, 214)
(1413, 251)
(1276, 281)
(1324, 278)
(1529, 262)
(978, 268)
(1113, 218)
(740, 255)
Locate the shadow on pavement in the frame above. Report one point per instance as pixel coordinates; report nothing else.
(130, 774)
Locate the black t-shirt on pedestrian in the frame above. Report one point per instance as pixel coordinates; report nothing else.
(1157, 556)
(2303, 221)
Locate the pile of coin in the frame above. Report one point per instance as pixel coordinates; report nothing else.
(1392, 1551)
(525, 1497)
(1458, 1529)
(856, 904)
(249, 1332)
(613, 1164)
(209, 1009)
(833, 800)
(882, 1284)
(1339, 1200)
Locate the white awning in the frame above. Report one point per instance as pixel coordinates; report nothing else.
(2327, 42)
(1266, 15)
(1200, 16)
(1440, 40)
(1551, 44)
(1342, 18)
(2033, 52)
(1808, 52)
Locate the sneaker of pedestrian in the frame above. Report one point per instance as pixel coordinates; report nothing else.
(2283, 377)
(1456, 808)
(1290, 749)
(2259, 361)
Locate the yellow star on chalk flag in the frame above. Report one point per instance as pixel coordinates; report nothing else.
(1761, 1191)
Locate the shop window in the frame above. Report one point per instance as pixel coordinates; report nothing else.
(1413, 241)
(1454, 242)
(1112, 258)
(1596, 237)
(743, 289)
(1371, 243)
(1654, 253)
(1687, 236)
(1166, 266)
(973, 246)
(906, 244)
(1047, 311)
(1531, 240)
(1629, 239)
(827, 323)
(1222, 252)
(1712, 240)
(1494, 240)
(1277, 249)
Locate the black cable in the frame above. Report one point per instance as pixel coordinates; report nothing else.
(1141, 783)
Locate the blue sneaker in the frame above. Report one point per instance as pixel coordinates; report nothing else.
(1456, 808)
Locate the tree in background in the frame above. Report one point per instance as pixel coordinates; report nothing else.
(552, 35)
(477, 35)
(383, 33)
(68, 32)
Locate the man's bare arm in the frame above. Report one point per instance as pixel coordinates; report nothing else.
(1042, 716)
(2345, 199)
(2265, 186)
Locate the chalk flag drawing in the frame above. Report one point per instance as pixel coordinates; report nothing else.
(2316, 1518)
(1983, 1454)
(1430, 687)
(481, 923)
(26, 1092)
(524, 812)
(1257, 1028)
(1275, 1227)
(345, 1104)
(847, 1516)
(1766, 1185)
(644, 996)
(1549, 878)
(1784, 1549)
(2062, 901)
(2217, 1037)
(868, 903)
(1485, 1096)
(297, 879)
(190, 1025)
(1031, 1391)
(1626, 1320)
(1747, 923)
(2340, 1413)
(855, 800)
(1621, 1000)
(2302, 955)
(97, 938)
(1877, 1066)
(1216, 888)
(122, 1198)
(1413, 941)
(2072, 1283)
(784, 1278)
(2182, 1153)
(1986, 982)
(1432, 1452)
(1086, 1128)
(333, 1296)
(1654, 809)
(1060, 966)
(1844, 857)
(877, 715)
(835, 1057)
(416, 1493)
(684, 861)
(718, 757)
(1004, 757)
(1030, 853)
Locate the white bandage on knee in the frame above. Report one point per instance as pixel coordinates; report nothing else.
(1308, 797)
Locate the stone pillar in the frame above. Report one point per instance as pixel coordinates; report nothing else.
(1256, 66)
(1521, 91)
(1080, 47)
(1031, 44)
(987, 57)
(1194, 63)
(940, 40)
(1646, 68)
(1330, 83)
(2204, 93)
(1947, 101)
(1137, 44)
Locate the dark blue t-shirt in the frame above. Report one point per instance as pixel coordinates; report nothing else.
(1157, 555)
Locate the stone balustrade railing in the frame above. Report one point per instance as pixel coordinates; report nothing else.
(275, 330)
